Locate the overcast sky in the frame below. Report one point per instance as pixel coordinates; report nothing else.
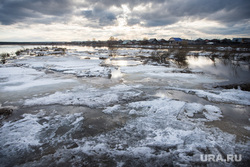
(79, 20)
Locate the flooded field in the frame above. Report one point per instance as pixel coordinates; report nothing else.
(84, 106)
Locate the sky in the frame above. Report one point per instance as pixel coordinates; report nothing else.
(82, 20)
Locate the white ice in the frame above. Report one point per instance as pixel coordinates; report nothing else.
(21, 78)
(160, 131)
(90, 97)
(234, 96)
(68, 64)
(33, 130)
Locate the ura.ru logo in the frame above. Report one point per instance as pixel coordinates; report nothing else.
(219, 158)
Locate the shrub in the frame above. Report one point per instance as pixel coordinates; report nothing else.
(18, 52)
(4, 56)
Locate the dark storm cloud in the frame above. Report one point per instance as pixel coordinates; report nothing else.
(100, 15)
(12, 11)
(165, 12)
(243, 30)
(157, 13)
(225, 11)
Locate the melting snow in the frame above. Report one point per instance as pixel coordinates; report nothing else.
(160, 131)
(234, 96)
(19, 78)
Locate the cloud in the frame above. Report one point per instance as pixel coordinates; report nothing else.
(14, 11)
(242, 30)
(100, 15)
(152, 13)
(131, 18)
(172, 11)
(166, 12)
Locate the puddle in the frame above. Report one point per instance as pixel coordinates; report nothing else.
(235, 119)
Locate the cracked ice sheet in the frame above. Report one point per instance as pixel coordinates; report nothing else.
(68, 64)
(158, 138)
(90, 97)
(234, 96)
(19, 78)
(21, 138)
(148, 138)
(186, 110)
(60, 63)
(164, 134)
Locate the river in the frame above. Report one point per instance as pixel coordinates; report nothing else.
(122, 107)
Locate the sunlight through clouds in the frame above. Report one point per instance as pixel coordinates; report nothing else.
(71, 20)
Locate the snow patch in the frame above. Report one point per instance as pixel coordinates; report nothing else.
(21, 138)
(209, 112)
(213, 112)
(20, 134)
(110, 110)
(192, 108)
(19, 78)
(247, 128)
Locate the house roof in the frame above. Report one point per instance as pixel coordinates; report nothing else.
(176, 39)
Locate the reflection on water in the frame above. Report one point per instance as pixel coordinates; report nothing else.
(200, 62)
(112, 51)
(234, 71)
(224, 67)
(122, 63)
(165, 56)
(13, 48)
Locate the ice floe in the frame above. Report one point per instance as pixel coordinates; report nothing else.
(234, 96)
(68, 64)
(20, 78)
(91, 97)
(209, 112)
(21, 138)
